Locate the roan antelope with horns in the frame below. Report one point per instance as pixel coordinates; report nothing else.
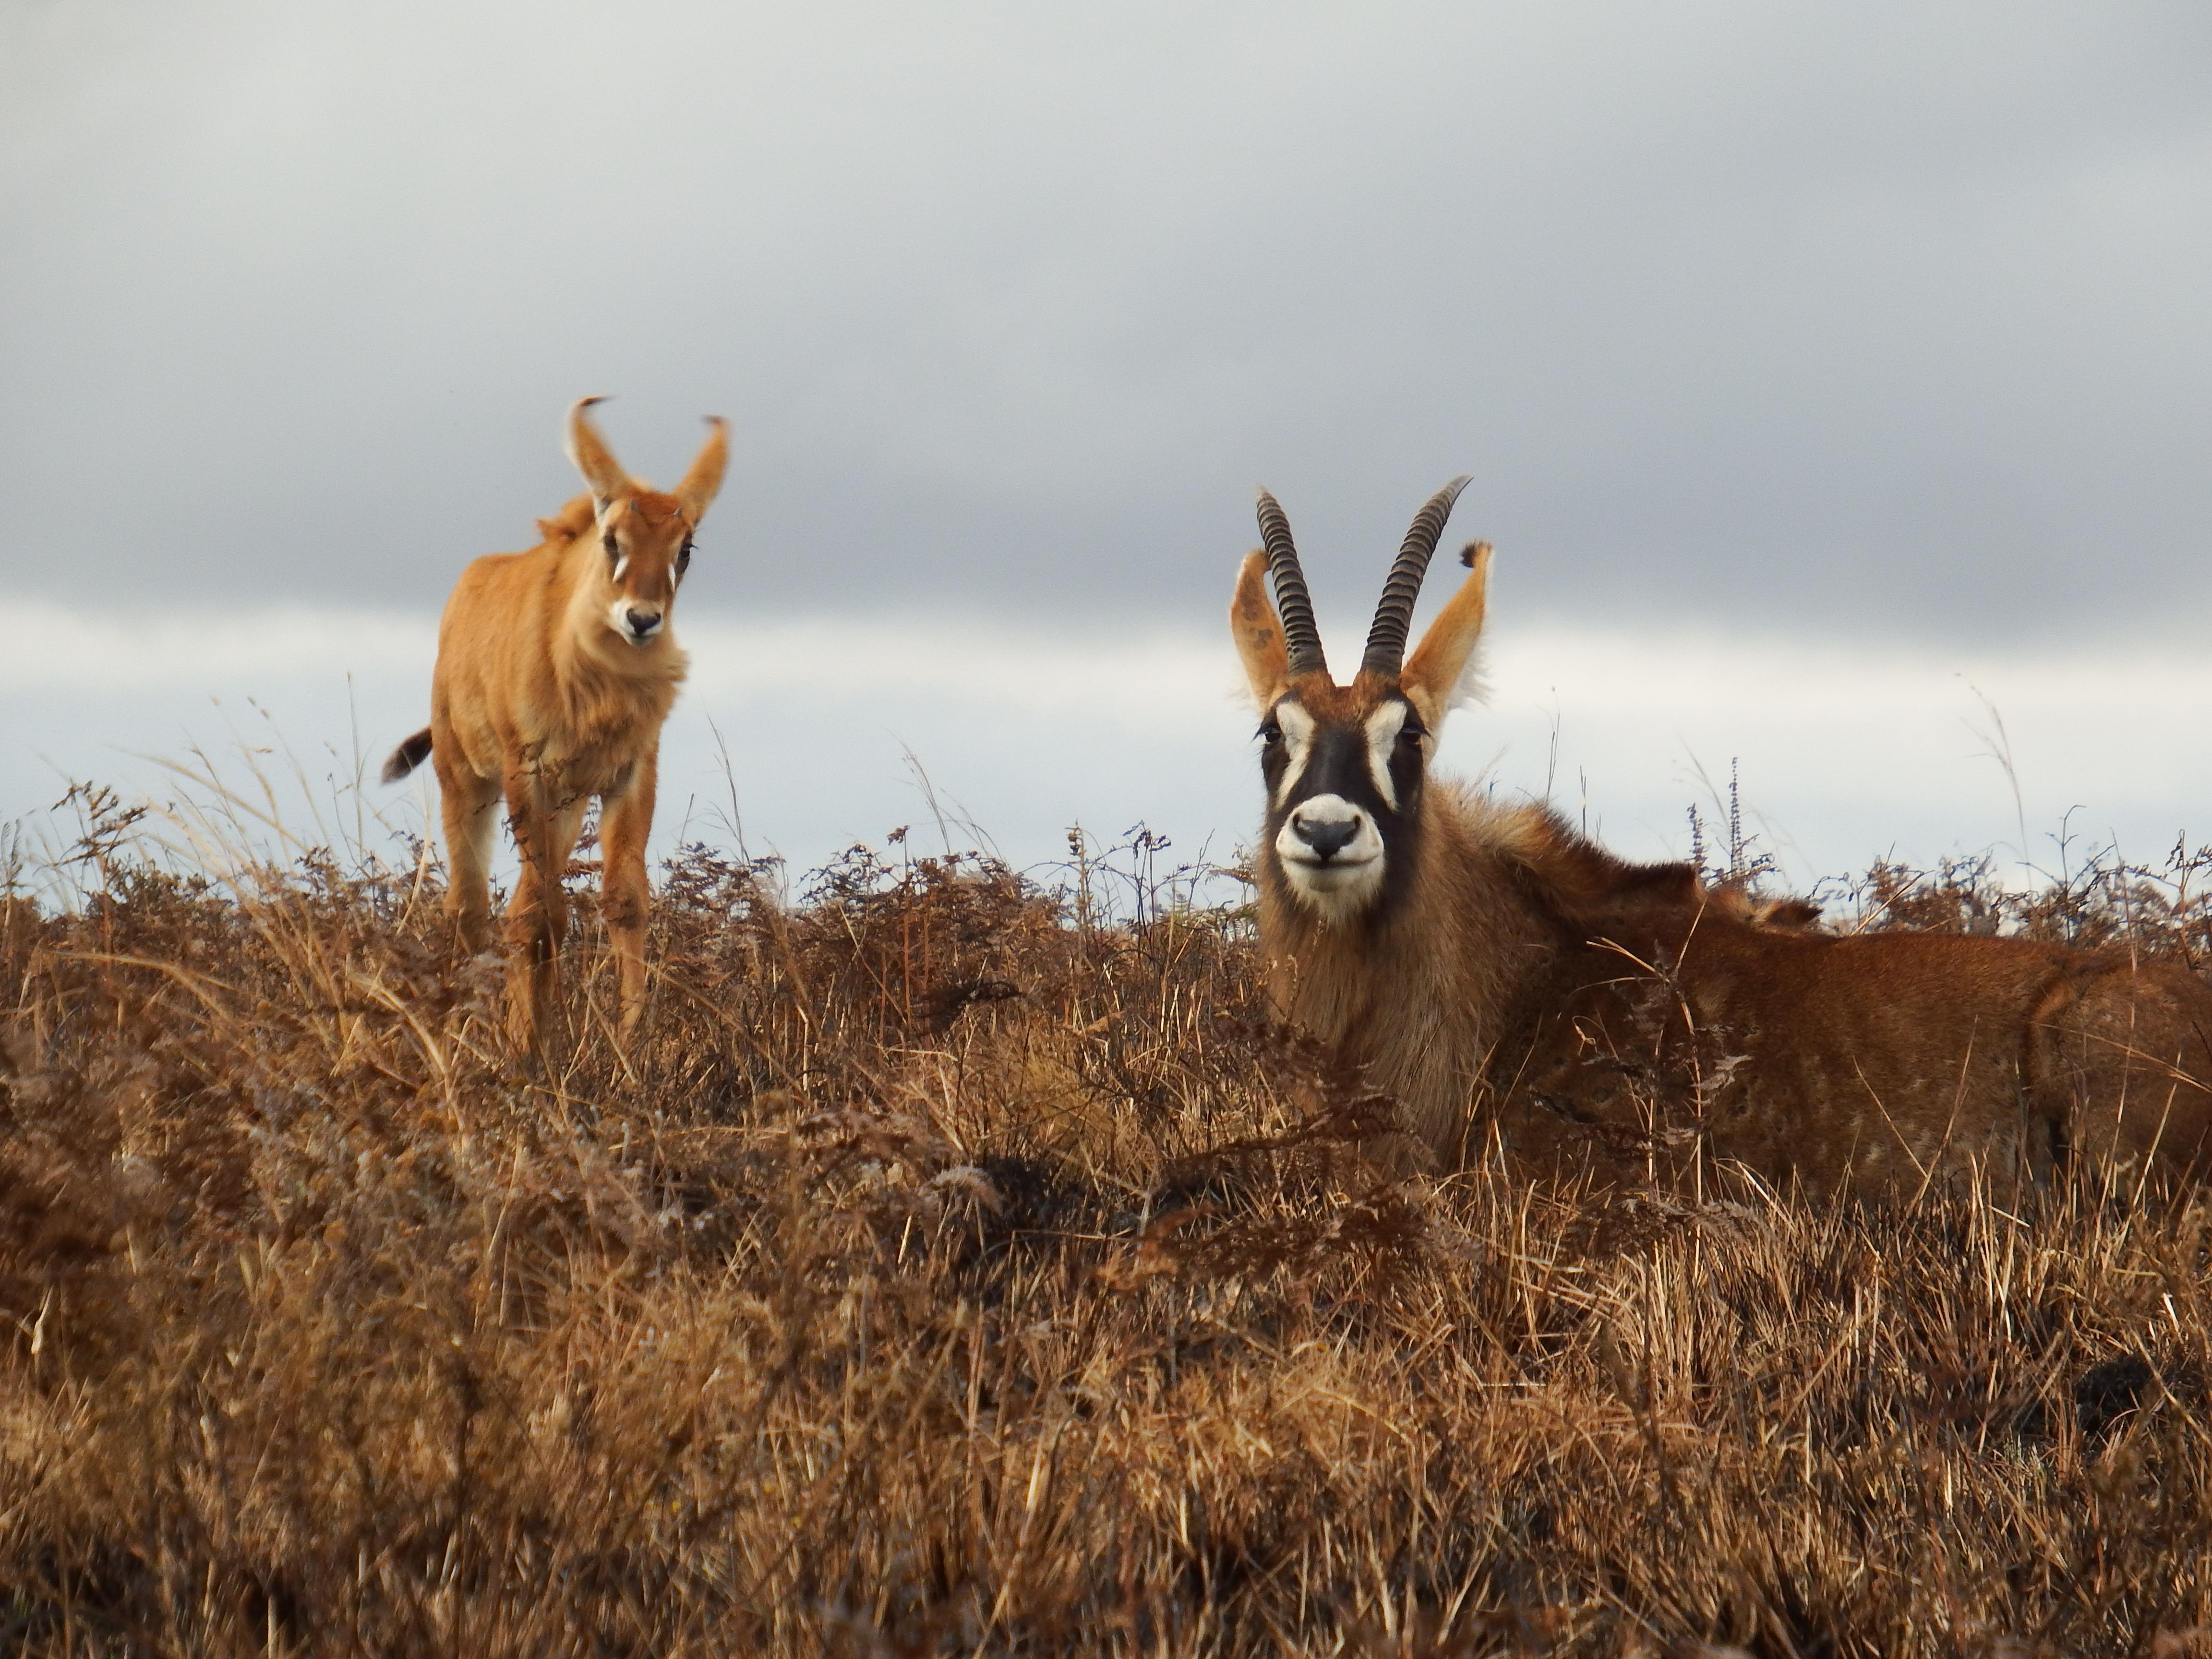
(1517, 987)
(555, 668)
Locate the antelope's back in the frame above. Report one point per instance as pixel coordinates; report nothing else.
(494, 652)
(1876, 1064)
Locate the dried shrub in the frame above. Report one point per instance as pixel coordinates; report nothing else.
(964, 1262)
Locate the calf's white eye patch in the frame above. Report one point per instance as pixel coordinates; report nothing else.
(1383, 726)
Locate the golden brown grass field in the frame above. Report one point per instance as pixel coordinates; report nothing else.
(963, 1264)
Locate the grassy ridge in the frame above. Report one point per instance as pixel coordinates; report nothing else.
(956, 1267)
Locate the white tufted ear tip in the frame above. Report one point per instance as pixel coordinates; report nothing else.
(1473, 686)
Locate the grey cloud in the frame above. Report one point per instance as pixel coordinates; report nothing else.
(1885, 316)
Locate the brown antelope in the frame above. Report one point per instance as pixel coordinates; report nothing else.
(555, 668)
(1515, 986)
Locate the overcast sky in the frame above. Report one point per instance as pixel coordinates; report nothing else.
(1871, 332)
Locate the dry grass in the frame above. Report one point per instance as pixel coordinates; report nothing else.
(956, 1269)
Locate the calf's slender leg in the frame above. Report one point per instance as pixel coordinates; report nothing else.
(568, 821)
(625, 823)
(468, 803)
(532, 965)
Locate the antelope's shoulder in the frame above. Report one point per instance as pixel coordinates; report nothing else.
(497, 577)
(1569, 869)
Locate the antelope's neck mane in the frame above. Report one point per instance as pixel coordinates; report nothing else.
(1571, 879)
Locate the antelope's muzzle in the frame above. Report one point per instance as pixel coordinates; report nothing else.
(1326, 835)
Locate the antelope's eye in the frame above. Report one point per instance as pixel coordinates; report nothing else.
(607, 541)
(1410, 735)
(1271, 734)
(683, 558)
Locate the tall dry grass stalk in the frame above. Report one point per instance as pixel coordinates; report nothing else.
(960, 1267)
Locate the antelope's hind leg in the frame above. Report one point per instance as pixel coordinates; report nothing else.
(2129, 1058)
(625, 823)
(469, 807)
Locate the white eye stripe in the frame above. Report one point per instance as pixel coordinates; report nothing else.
(621, 565)
(1297, 729)
(1383, 726)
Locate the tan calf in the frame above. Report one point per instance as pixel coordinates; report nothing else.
(1516, 987)
(555, 668)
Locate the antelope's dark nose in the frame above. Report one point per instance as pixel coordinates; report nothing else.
(643, 622)
(1328, 837)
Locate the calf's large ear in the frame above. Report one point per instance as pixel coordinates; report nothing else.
(1440, 674)
(1259, 634)
(704, 481)
(602, 471)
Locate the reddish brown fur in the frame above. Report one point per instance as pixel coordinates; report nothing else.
(539, 700)
(1533, 994)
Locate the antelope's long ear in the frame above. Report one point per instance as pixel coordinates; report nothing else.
(589, 451)
(1259, 634)
(1437, 676)
(704, 481)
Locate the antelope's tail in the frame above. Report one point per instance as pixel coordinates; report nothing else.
(408, 756)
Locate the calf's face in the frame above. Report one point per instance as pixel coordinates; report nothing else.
(646, 541)
(645, 535)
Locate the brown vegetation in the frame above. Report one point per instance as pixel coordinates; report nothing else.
(955, 1266)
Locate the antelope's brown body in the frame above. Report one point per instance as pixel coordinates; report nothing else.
(1625, 1021)
(555, 670)
(1520, 990)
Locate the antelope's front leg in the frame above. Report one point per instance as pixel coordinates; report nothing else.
(625, 822)
(533, 969)
(567, 817)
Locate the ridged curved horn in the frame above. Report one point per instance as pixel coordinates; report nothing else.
(1293, 603)
(1394, 615)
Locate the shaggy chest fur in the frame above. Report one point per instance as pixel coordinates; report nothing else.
(607, 712)
(1422, 995)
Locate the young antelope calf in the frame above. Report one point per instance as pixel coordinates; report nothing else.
(555, 668)
(1515, 986)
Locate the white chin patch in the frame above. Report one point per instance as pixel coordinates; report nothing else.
(1350, 878)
